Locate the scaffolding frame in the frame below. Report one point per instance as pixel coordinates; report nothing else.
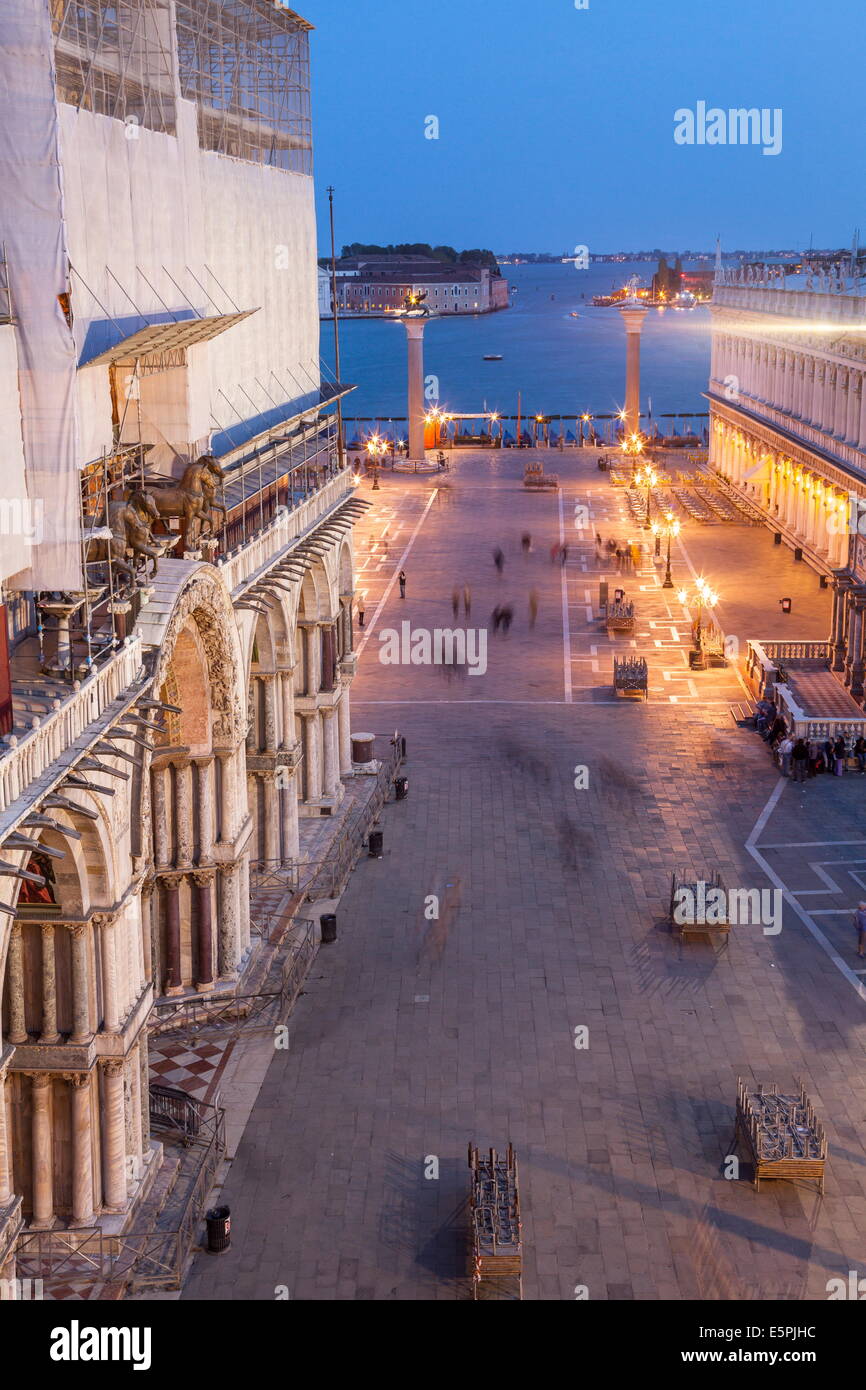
(246, 65)
(115, 59)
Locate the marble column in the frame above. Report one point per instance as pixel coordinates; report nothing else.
(105, 924)
(861, 432)
(312, 767)
(49, 1032)
(41, 1156)
(81, 1029)
(159, 800)
(147, 910)
(229, 931)
(183, 809)
(114, 1132)
(633, 316)
(344, 716)
(82, 1149)
(415, 411)
(6, 1189)
(841, 412)
(856, 655)
(289, 831)
(203, 880)
(270, 817)
(269, 683)
(839, 624)
(330, 758)
(171, 890)
(288, 709)
(852, 423)
(204, 772)
(17, 1031)
(228, 797)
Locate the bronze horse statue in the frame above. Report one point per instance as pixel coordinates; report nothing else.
(129, 523)
(192, 499)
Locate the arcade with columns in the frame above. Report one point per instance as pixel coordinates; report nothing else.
(787, 400)
(229, 726)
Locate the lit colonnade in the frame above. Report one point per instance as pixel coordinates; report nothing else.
(788, 430)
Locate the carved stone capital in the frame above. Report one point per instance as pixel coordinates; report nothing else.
(76, 1079)
(40, 1080)
(172, 881)
(202, 878)
(112, 1068)
(77, 929)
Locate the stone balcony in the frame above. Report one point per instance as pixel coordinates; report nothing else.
(32, 762)
(256, 555)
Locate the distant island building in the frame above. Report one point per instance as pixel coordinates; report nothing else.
(378, 285)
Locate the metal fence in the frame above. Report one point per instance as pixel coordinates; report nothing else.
(141, 1259)
(326, 878)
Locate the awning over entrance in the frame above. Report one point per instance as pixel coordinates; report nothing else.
(167, 337)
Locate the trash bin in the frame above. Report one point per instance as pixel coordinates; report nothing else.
(328, 924)
(377, 840)
(798, 553)
(777, 538)
(786, 605)
(362, 748)
(219, 1226)
(401, 787)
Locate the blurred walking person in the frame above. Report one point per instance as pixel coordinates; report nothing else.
(402, 579)
(467, 599)
(533, 606)
(455, 601)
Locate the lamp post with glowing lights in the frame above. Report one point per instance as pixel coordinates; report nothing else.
(632, 447)
(647, 478)
(669, 527)
(376, 448)
(703, 597)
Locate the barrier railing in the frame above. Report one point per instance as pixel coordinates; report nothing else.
(326, 878)
(142, 1259)
(23, 760)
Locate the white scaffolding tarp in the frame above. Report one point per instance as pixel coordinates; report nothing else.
(31, 226)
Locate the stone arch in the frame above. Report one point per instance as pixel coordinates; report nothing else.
(195, 784)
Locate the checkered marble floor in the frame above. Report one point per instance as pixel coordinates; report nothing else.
(191, 1067)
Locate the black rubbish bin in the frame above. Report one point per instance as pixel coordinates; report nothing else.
(377, 839)
(786, 605)
(777, 538)
(401, 787)
(328, 922)
(798, 553)
(219, 1226)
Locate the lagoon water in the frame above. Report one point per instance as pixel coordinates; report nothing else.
(559, 364)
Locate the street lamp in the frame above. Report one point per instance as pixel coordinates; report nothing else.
(648, 479)
(703, 597)
(376, 447)
(669, 527)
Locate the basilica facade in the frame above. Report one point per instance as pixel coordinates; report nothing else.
(178, 628)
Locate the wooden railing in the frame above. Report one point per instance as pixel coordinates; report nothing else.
(23, 760)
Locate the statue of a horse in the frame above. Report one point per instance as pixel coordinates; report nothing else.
(192, 499)
(129, 522)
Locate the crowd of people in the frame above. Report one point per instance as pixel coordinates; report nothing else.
(801, 758)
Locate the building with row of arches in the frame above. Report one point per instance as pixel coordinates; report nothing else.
(787, 398)
(176, 715)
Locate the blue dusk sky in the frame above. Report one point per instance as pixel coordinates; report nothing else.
(556, 124)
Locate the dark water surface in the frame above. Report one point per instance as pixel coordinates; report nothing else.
(560, 365)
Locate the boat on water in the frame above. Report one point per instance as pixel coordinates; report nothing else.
(574, 314)
(493, 357)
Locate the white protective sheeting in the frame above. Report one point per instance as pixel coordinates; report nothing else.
(31, 225)
(156, 228)
(19, 519)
